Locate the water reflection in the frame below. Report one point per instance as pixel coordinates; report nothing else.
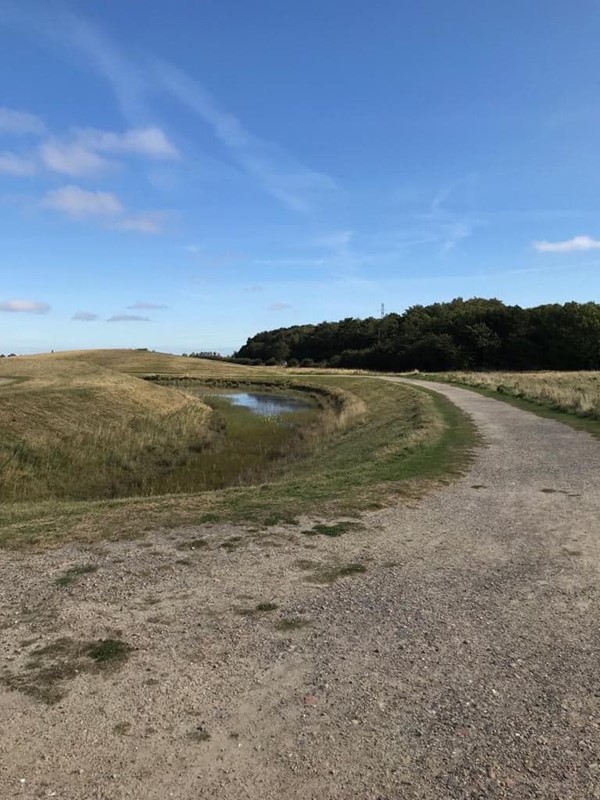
(266, 405)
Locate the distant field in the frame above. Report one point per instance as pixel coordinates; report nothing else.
(145, 362)
(572, 392)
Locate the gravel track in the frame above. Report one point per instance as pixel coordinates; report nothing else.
(463, 663)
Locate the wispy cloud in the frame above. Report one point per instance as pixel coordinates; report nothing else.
(448, 225)
(279, 306)
(82, 153)
(126, 79)
(19, 122)
(148, 306)
(151, 142)
(84, 316)
(281, 175)
(133, 82)
(79, 203)
(335, 240)
(127, 318)
(577, 243)
(253, 289)
(455, 234)
(72, 158)
(17, 166)
(24, 307)
(144, 222)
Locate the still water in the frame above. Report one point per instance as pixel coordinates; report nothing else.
(266, 405)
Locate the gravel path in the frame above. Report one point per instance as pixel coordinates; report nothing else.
(462, 663)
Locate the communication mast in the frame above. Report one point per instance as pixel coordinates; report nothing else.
(380, 321)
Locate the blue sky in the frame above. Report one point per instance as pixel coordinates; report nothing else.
(180, 176)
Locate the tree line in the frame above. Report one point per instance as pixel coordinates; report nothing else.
(475, 334)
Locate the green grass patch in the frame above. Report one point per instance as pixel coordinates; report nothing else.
(48, 669)
(109, 651)
(335, 529)
(330, 574)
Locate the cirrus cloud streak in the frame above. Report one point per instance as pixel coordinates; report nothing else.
(127, 318)
(85, 316)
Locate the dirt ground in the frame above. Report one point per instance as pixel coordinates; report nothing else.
(447, 649)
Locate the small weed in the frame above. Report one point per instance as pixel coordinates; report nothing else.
(122, 728)
(267, 607)
(72, 575)
(199, 735)
(336, 529)
(305, 564)
(259, 608)
(192, 544)
(232, 543)
(109, 651)
(288, 624)
(331, 574)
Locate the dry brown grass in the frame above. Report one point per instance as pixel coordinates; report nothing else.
(73, 429)
(145, 362)
(572, 392)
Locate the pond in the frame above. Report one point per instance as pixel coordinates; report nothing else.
(265, 405)
(251, 433)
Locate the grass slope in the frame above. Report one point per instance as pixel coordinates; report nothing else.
(74, 430)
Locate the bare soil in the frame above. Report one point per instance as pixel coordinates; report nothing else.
(448, 649)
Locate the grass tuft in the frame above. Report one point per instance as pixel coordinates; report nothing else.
(73, 574)
(330, 574)
(199, 735)
(48, 668)
(289, 624)
(109, 651)
(193, 544)
(260, 608)
(335, 529)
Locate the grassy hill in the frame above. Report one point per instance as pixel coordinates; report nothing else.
(74, 429)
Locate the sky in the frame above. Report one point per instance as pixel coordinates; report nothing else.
(183, 175)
